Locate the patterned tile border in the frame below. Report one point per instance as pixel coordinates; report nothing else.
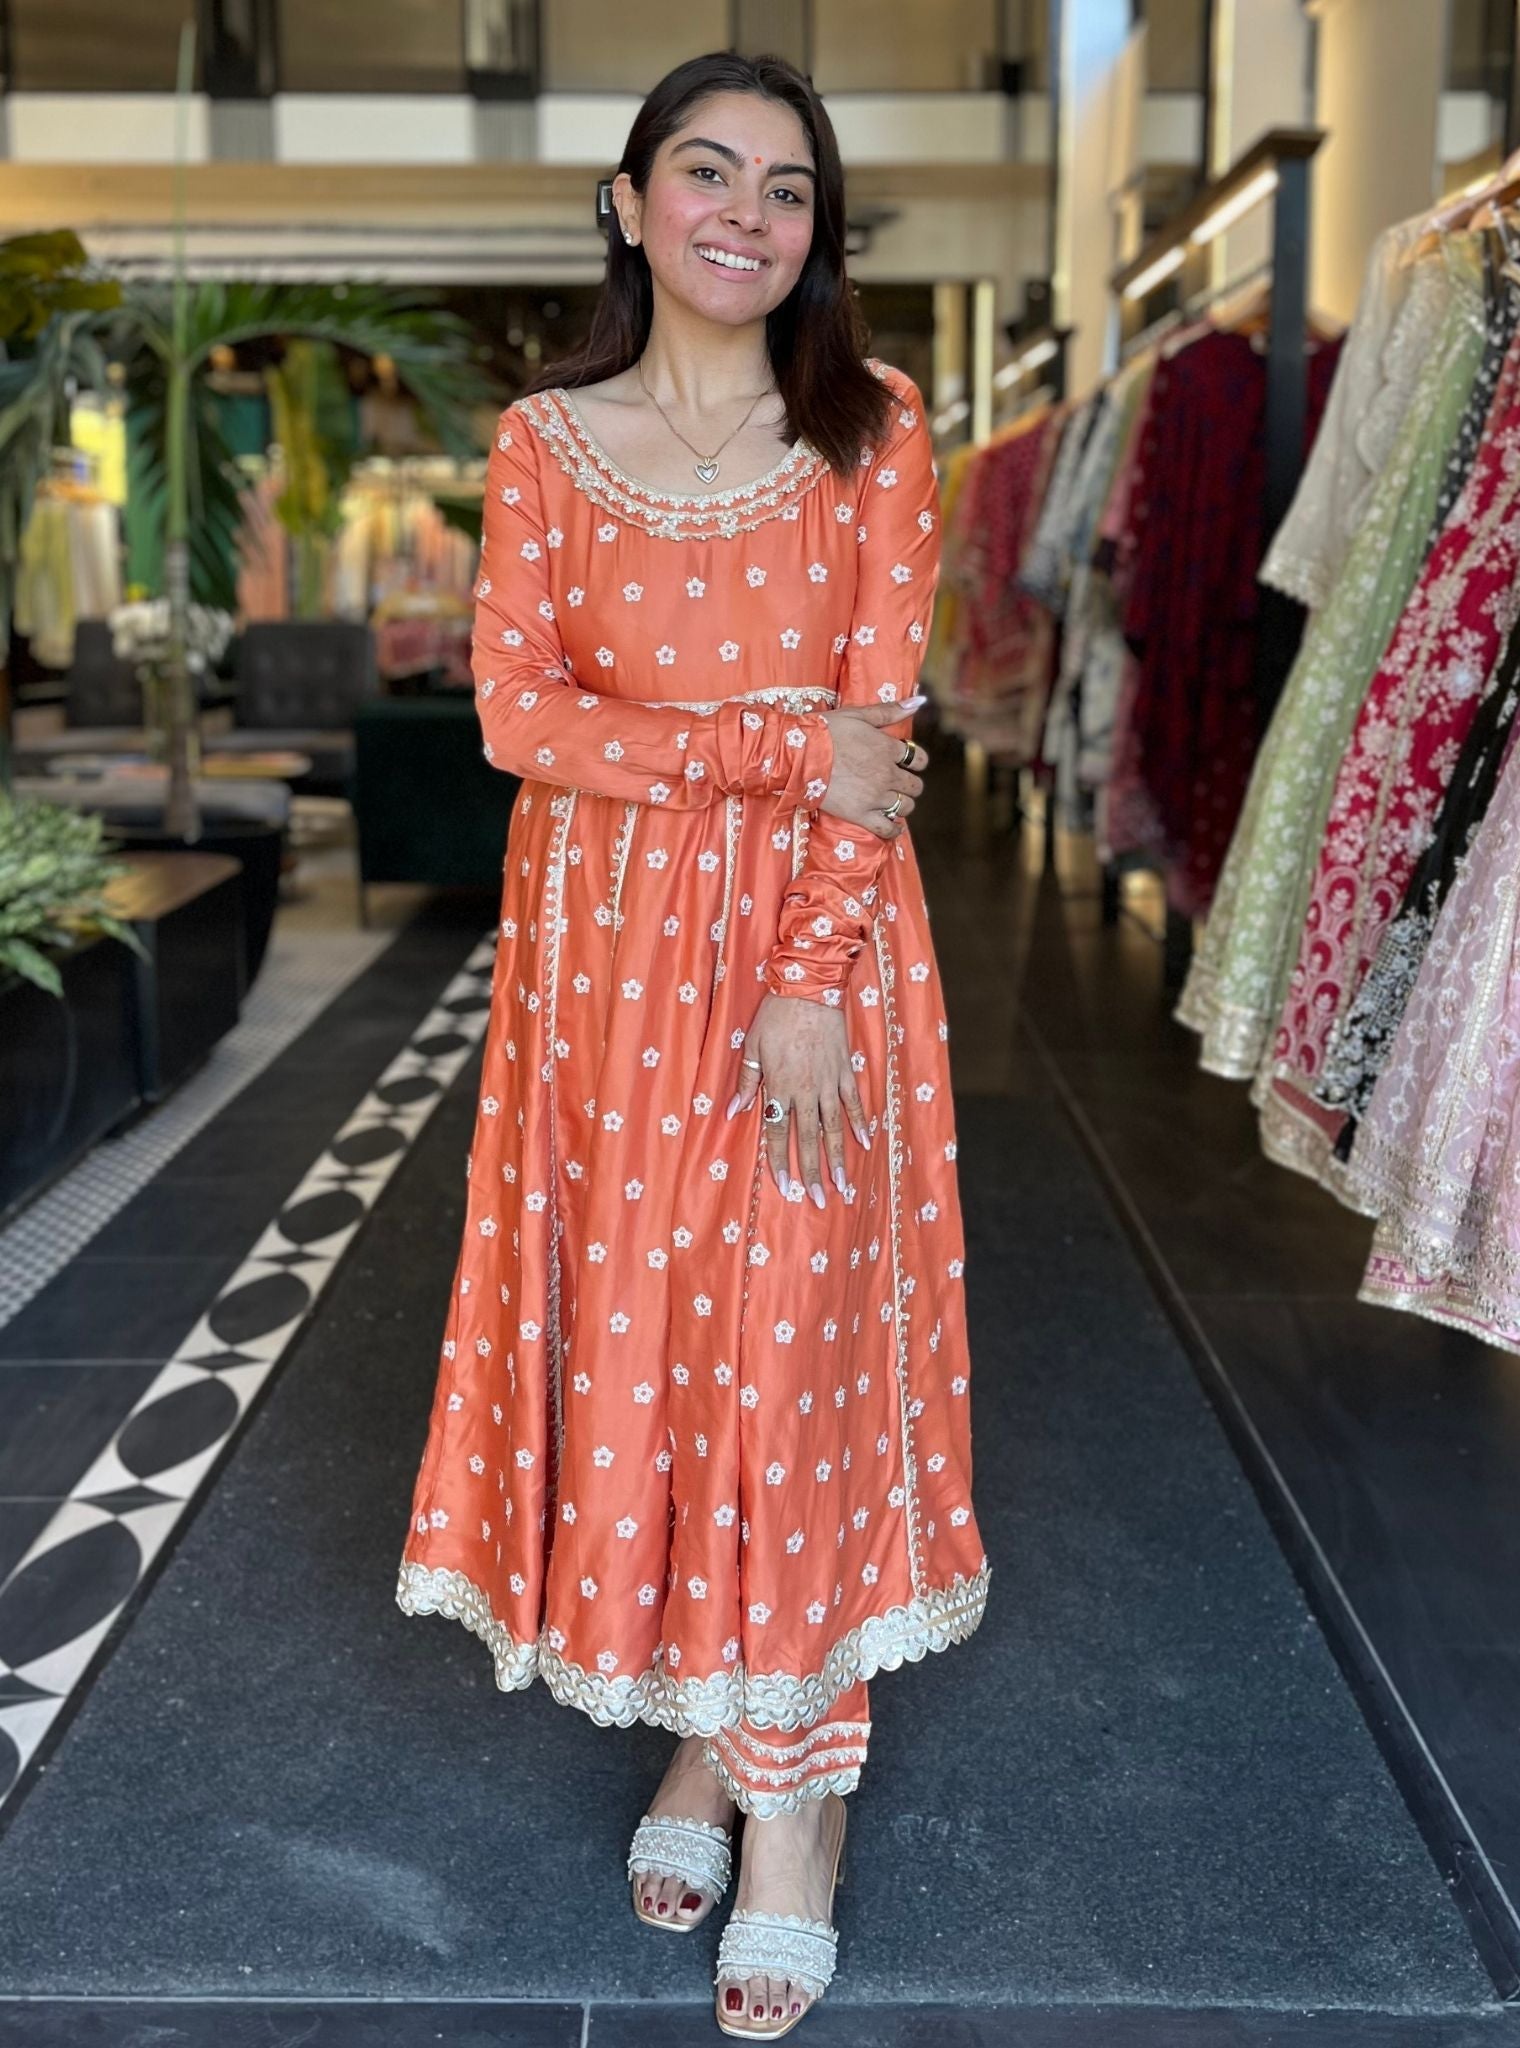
(302, 974)
(63, 1597)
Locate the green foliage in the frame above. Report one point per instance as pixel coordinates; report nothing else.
(53, 871)
(41, 275)
(216, 485)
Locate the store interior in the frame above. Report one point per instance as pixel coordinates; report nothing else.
(1215, 309)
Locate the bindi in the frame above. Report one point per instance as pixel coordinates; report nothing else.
(757, 159)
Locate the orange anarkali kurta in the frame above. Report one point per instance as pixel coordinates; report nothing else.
(698, 1453)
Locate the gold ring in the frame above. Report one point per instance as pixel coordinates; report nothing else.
(895, 806)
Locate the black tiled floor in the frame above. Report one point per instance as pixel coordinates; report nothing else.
(21, 1523)
(55, 1419)
(89, 2023)
(116, 1308)
(1398, 1441)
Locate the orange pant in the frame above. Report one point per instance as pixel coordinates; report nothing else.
(770, 1770)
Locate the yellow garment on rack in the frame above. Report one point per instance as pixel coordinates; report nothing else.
(43, 608)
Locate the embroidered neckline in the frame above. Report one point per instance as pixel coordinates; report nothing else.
(562, 396)
(668, 515)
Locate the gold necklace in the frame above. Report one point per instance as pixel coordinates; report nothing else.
(706, 466)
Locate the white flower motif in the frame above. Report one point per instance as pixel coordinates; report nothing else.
(643, 1393)
(697, 1587)
(582, 1383)
(589, 1587)
(650, 1057)
(524, 1461)
(575, 595)
(864, 636)
(702, 1303)
(818, 572)
(901, 573)
(795, 1541)
(489, 1226)
(670, 1126)
(816, 1611)
(870, 1573)
(784, 1332)
(774, 1474)
(597, 1252)
(665, 656)
(603, 1455)
(530, 550)
(605, 656)
(607, 531)
(627, 1527)
(632, 989)
(844, 513)
(718, 1169)
(805, 1402)
(632, 1189)
(658, 791)
(790, 637)
(438, 1518)
(567, 1512)
(648, 1595)
(822, 1469)
(529, 1332)
(695, 587)
(758, 1611)
(612, 1120)
(728, 650)
(886, 478)
(688, 992)
(618, 1322)
(725, 1516)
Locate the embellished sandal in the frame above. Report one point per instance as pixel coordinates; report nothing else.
(694, 1850)
(780, 1945)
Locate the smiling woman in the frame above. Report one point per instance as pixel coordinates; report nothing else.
(700, 1449)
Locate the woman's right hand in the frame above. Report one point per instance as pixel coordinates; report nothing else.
(868, 770)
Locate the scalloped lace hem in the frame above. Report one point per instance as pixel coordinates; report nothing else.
(701, 1706)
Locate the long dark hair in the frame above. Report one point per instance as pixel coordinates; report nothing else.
(816, 337)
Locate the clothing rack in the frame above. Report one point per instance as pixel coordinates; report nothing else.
(1174, 263)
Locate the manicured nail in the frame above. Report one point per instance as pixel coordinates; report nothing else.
(662, 1907)
(733, 1105)
(784, 1182)
(759, 2012)
(815, 1189)
(839, 1180)
(690, 1903)
(796, 2005)
(775, 2012)
(648, 1898)
(735, 1999)
(912, 703)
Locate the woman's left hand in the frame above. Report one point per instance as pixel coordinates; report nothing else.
(804, 1052)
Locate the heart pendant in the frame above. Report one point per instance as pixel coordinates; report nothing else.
(706, 470)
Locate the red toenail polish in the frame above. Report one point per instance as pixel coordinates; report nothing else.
(691, 1902)
(759, 2012)
(775, 2012)
(735, 2001)
(796, 2005)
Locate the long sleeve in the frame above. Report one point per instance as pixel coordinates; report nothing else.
(539, 722)
(830, 908)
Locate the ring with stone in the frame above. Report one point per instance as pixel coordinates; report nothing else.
(775, 1110)
(751, 1063)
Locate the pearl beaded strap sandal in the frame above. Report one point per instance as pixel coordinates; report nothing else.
(779, 1945)
(696, 1851)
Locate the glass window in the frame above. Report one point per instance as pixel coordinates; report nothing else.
(591, 47)
(904, 46)
(378, 46)
(95, 45)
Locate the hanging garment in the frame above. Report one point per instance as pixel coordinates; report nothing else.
(1437, 1157)
(1375, 380)
(699, 1453)
(1003, 656)
(1191, 602)
(1408, 734)
(1239, 974)
(1359, 1048)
